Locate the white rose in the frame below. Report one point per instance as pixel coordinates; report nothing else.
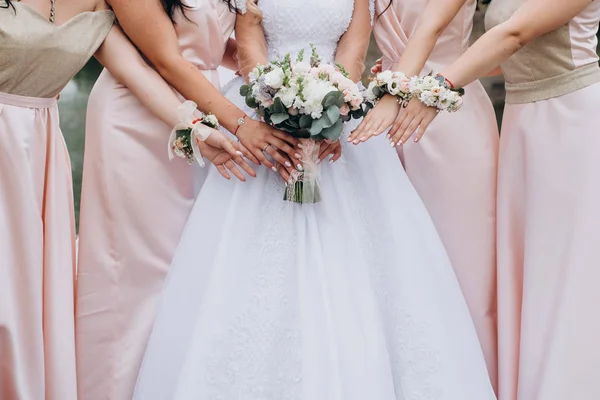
(393, 86)
(287, 95)
(385, 76)
(428, 99)
(301, 68)
(274, 78)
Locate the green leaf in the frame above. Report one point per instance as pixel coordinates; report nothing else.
(245, 90)
(294, 122)
(333, 132)
(251, 102)
(330, 116)
(333, 98)
(316, 127)
(278, 107)
(302, 134)
(305, 121)
(279, 118)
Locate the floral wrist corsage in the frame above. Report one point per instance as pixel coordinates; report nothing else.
(388, 82)
(192, 127)
(437, 91)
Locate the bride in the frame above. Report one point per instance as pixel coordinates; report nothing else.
(351, 298)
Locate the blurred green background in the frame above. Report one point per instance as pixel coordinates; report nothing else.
(73, 103)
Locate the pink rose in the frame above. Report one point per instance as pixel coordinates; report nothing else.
(345, 110)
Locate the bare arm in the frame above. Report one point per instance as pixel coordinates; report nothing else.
(437, 16)
(353, 46)
(148, 26)
(230, 58)
(123, 61)
(252, 45)
(532, 20)
(160, 45)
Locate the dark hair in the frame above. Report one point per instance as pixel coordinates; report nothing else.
(171, 7)
(7, 5)
(385, 9)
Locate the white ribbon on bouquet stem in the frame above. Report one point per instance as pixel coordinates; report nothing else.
(188, 120)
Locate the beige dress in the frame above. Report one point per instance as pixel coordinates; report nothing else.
(548, 214)
(134, 205)
(37, 229)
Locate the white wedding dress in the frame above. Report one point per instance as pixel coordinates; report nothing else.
(351, 298)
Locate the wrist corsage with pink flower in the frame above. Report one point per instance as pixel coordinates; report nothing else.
(396, 84)
(193, 126)
(437, 91)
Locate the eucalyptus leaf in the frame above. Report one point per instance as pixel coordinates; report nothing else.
(330, 116)
(305, 121)
(279, 118)
(333, 132)
(251, 102)
(317, 126)
(245, 90)
(333, 98)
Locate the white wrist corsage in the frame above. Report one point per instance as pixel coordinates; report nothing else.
(437, 92)
(183, 141)
(388, 82)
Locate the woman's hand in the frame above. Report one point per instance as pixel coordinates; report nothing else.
(221, 141)
(377, 120)
(260, 139)
(225, 162)
(330, 148)
(414, 119)
(378, 67)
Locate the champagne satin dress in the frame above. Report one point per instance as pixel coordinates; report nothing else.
(454, 166)
(548, 215)
(134, 205)
(37, 224)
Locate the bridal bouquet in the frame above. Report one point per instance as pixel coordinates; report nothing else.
(309, 100)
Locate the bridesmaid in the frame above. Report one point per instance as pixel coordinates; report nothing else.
(134, 201)
(454, 169)
(43, 44)
(548, 218)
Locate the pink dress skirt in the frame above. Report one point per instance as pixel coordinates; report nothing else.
(37, 253)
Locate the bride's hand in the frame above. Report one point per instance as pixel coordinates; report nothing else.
(260, 138)
(330, 148)
(377, 120)
(225, 162)
(414, 119)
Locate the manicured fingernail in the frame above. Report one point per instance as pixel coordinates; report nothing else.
(349, 139)
(355, 141)
(299, 166)
(331, 161)
(274, 169)
(297, 155)
(362, 139)
(239, 153)
(392, 144)
(416, 140)
(288, 164)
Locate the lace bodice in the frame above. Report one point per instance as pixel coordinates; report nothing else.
(291, 25)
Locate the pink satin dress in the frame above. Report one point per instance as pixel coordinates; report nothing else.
(37, 223)
(549, 215)
(134, 205)
(454, 166)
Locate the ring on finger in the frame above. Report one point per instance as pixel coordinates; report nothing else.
(266, 147)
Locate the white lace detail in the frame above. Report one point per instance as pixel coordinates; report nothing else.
(241, 5)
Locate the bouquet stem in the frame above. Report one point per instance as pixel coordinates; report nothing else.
(303, 187)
